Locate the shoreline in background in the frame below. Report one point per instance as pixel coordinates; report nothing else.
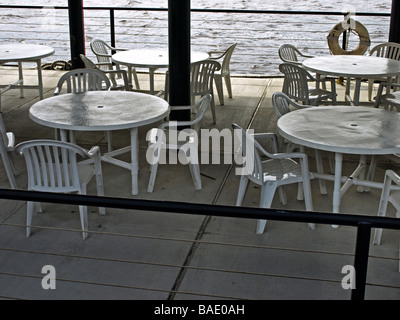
(258, 36)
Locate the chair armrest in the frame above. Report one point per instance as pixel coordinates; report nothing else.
(56, 92)
(268, 135)
(121, 72)
(301, 106)
(393, 176)
(94, 151)
(160, 93)
(331, 80)
(306, 55)
(265, 135)
(106, 64)
(380, 91)
(219, 54)
(104, 55)
(177, 108)
(294, 155)
(391, 84)
(118, 49)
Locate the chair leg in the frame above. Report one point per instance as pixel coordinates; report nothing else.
(370, 86)
(261, 224)
(300, 191)
(38, 208)
(282, 195)
(228, 85)
(136, 79)
(320, 169)
(220, 90)
(382, 208)
(99, 184)
(152, 179)
(195, 173)
(30, 206)
(244, 182)
(267, 195)
(308, 199)
(213, 109)
(399, 256)
(193, 161)
(84, 221)
(8, 167)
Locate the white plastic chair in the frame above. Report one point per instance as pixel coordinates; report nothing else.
(390, 99)
(390, 50)
(289, 53)
(7, 143)
(53, 167)
(159, 141)
(296, 85)
(225, 72)
(388, 195)
(104, 52)
(282, 104)
(201, 81)
(119, 78)
(82, 80)
(277, 170)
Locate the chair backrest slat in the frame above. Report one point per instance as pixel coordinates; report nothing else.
(202, 75)
(295, 84)
(226, 59)
(82, 80)
(100, 48)
(252, 166)
(52, 165)
(390, 50)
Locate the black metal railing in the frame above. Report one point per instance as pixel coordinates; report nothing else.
(363, 223)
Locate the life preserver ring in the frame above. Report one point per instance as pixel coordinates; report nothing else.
(333, 38)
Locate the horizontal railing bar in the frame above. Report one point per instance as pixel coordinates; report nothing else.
(244, 11)
(202, 209)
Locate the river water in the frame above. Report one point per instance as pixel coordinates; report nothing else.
(258, 36)
(307, 5)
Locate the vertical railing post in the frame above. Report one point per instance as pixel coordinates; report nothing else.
(179, 57)
(361, 260)
(112, 28)
(77, 32)
(394, 31)
(344, 40)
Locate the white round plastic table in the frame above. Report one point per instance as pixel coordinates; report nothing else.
(151, 59)
(21, 52)
(353, 66)
(103, 111)
(344, 130)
